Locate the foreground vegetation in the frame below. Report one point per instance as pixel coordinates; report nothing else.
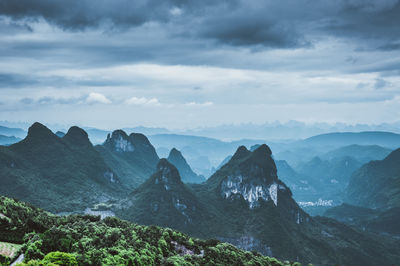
(87, 240)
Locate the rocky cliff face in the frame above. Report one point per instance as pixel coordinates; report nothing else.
(132, 158)
(119, 142)
(252, 192)
(254, 177)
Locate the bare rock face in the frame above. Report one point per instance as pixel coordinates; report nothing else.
(119, 141)
(255, 180)
(252, 192)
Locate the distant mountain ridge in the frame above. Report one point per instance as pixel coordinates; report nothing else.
(7, 140)
(362, 153)
(381, 138)
(377, 183)
(67, 173)
(12, 132)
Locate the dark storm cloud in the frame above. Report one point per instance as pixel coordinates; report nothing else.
(390, 47)
(253, 22)
(366, 19)
(244, 32)
(79, 14)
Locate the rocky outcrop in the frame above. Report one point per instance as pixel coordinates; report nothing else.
(119, 142)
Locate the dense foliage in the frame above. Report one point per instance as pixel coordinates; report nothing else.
(87, 240)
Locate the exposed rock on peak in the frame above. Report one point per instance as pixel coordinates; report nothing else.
(162, 197)
(251, 176)
(132, 158)
(119, 141)
(167, 173)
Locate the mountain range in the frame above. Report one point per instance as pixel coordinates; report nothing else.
(249, 201)
(374, 195)
(58, 174)
(54, 240)
(245, 203)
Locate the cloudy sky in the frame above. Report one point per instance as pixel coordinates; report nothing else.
(189, 63)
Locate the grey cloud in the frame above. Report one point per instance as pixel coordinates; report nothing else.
(390, 47)
(80, 14)
(52, 100)
(239, 23)
(47, 100)
(16, 80)
(380, 83)
(27, 101)
(243, 32)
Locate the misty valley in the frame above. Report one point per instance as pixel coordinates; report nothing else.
(329, 199)
(200, 132)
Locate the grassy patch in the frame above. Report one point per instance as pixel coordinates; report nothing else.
(9, 249)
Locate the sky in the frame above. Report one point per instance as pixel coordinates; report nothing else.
(188, 63)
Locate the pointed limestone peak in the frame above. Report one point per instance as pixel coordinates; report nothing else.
(119, 141)
(38, 130)
(139, 139)
(175, 154)
(167, 172)
(187, 175)
(241, 153)
(77, 136)
(263, 151)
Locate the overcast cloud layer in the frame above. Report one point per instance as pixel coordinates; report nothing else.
(182, 64)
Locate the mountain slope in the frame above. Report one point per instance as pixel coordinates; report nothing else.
(58, 174)
(110, 241)
(188, 176)
(162, 197)
(378, 221)
(246, 204)
(377, 183)
(132, 157)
